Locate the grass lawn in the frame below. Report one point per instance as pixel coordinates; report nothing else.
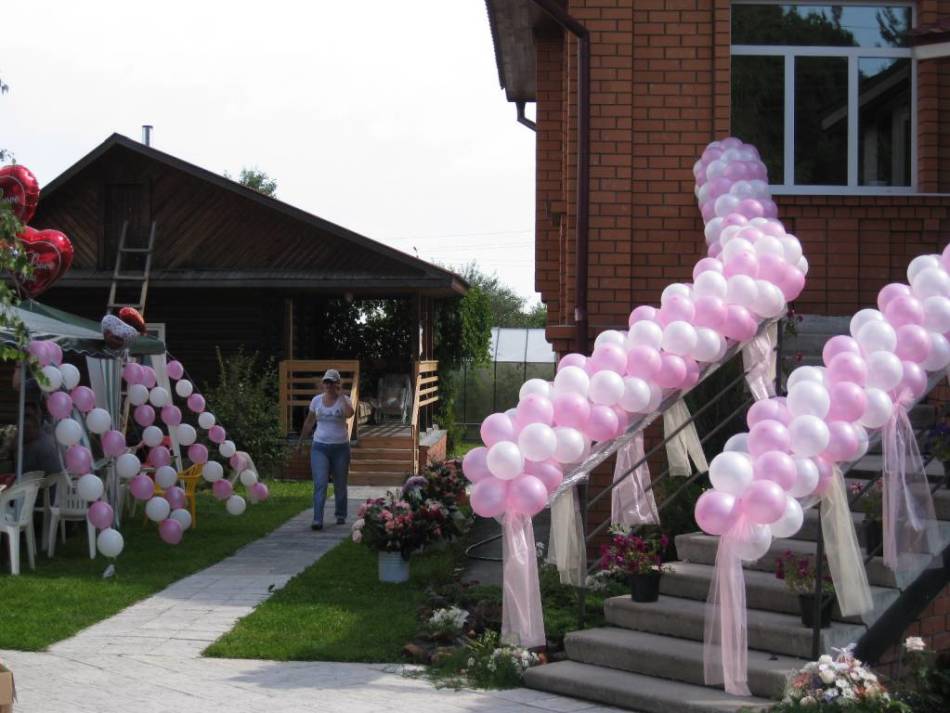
(337, 610)
(67, 593)
(464, 447)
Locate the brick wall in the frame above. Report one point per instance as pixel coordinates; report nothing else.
(933, 626)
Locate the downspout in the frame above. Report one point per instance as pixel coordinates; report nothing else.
(554, 9)
(522, 119)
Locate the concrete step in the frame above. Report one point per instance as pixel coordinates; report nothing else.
(941, 498)
(764, 590)
(701, 548)
(774, 632)
(634, 691)
(872, 465)
(670, 658)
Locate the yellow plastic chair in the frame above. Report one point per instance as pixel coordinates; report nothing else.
(189, 479)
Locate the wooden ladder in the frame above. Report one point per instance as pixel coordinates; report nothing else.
(128, 280)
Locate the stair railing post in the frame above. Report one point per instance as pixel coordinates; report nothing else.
(582, 589)
(819, 591)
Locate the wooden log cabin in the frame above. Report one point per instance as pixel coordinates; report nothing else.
(231, 268)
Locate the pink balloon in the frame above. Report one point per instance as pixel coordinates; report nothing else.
(904, 309)
(78, 460)
(113, 443)
(718, 186)
(474, 466)
(238, 462)
(763, 502)
(142, 487)
(793, 284)
(642, 313)
(159, 456)
(715, 250)
(735, 219)
(83, 398)
(222, 489)
(825, 475)
(176, 496)
(672, 371)
(100, 515)
(643, 361)
(198, 453)
(196, 403)
(534, 408)
(547, 472)
(38, 350)
(497, 427)
(838, 345)
(766, 410)
(489, 497)
(132, 373)
(55, 352)
(692, 373)
(891, 292)
(148, 377)
(217, 434)
(572, 360)
(602, 424)
(710, 312)
(739, 324)
(772, 269)
(171, 415)
(677, 308)
(843, 445)
(59, 404)
(776, 466)
(848, 401)
(571, 409)
(170, 531)
(608, 357)
(751, 208)
(914, 381)
(913, 342)
(768, 435)
(705, 265)
(527, 495)
(744, 263)
(708, 211)
(623, 418)
(715, 512)
(175, 370)
(144, 415)
(945, 258)
(260, 492)
(847, 367)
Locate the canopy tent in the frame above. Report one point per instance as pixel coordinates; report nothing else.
(71, 332)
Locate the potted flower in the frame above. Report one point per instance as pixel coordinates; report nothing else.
(833, 683)
(389, 526)
(638, 557)
(871, 504)
(799, 575)
(937, 446)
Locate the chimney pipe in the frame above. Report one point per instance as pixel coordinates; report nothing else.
(147, 134)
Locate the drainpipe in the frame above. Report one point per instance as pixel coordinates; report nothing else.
(554, 9)
(522, 119)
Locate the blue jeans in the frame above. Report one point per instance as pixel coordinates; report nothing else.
(327, 458)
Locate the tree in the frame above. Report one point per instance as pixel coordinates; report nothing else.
(257, 180)
(508, 309)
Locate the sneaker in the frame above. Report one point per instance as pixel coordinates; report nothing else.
(341, 521)
(316, 526)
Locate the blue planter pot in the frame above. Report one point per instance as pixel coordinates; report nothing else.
(393, 568)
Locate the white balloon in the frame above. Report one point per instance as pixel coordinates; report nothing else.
(645, 333)
(808, 398)
(54, 378)
(636, 395)
(862, 317)
(656, 397)
(708, 345)
(166, 477)
(159, 397)
(768, 245)
(570, 444)
(249, 477)
(932, 282)
(138, 394)
(921, 263)
(127, 465)
(937, 313)
(803, 265)
(572, 379)
(610, 336)
(182, 516)
(505, 460)
(235, 505)
(212, 471)
(809, 436)
(756, 545)
(152, 436)
(206, 419)
(730, 472)
(710, 284)
(738, 443)
(537, 441)
(729, 233)
(791, 520)
(864, 441)
(806, 373)
(741, 291)
(678, 289)
(878, 410)
(538, 387)
(606, 388)
(884, 370)
(157, 509)
(877, 336)
(769, 302)
(679, 337)
(807, 478)
(68, 432)
(793, 249)
(70, 376)
(110, 543)
(939, 357)
(89, 487)
(186, 433)
(184, 388)
(736, 247)
(98, 421)
(227, 449)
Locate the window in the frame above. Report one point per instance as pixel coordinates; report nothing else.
(826, 92)
(155, 329)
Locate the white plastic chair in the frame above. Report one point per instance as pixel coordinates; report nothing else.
(16, 516)
(68, 506)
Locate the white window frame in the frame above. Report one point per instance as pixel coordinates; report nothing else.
(789, 52)
(158, 328)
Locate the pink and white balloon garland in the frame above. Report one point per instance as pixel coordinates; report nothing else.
(752, 269)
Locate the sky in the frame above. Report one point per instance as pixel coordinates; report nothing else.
(384, 117)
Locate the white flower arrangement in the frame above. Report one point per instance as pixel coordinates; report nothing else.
(841, 681)
(447, 622)
(914, 643)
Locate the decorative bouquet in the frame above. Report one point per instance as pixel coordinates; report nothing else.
(799, 574)
(444, 483)
(447, 624)
(389, 524)
(842, 681)
(628, 553)
(435, 502)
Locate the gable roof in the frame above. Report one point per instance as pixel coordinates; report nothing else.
(366, 252)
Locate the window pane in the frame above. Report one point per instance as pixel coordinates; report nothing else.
(821, 25)
(884, 122)
(758, 108)
(821, 121)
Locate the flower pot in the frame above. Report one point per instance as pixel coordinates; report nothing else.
(806, 603)
(873, 535)
(393, 568)
(645, 587)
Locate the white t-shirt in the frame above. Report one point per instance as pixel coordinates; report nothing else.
(331, 420)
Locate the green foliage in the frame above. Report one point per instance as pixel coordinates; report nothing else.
(257, 180)
(508, 309)
(245, 400)
(15, 263)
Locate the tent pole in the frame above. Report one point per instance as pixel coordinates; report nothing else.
(21, 417)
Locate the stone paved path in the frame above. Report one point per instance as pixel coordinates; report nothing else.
(146, 659)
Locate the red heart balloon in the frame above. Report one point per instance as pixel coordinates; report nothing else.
(19, 188)
(133, 318)
(51, 254)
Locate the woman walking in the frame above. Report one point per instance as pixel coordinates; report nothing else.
(330, 452)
